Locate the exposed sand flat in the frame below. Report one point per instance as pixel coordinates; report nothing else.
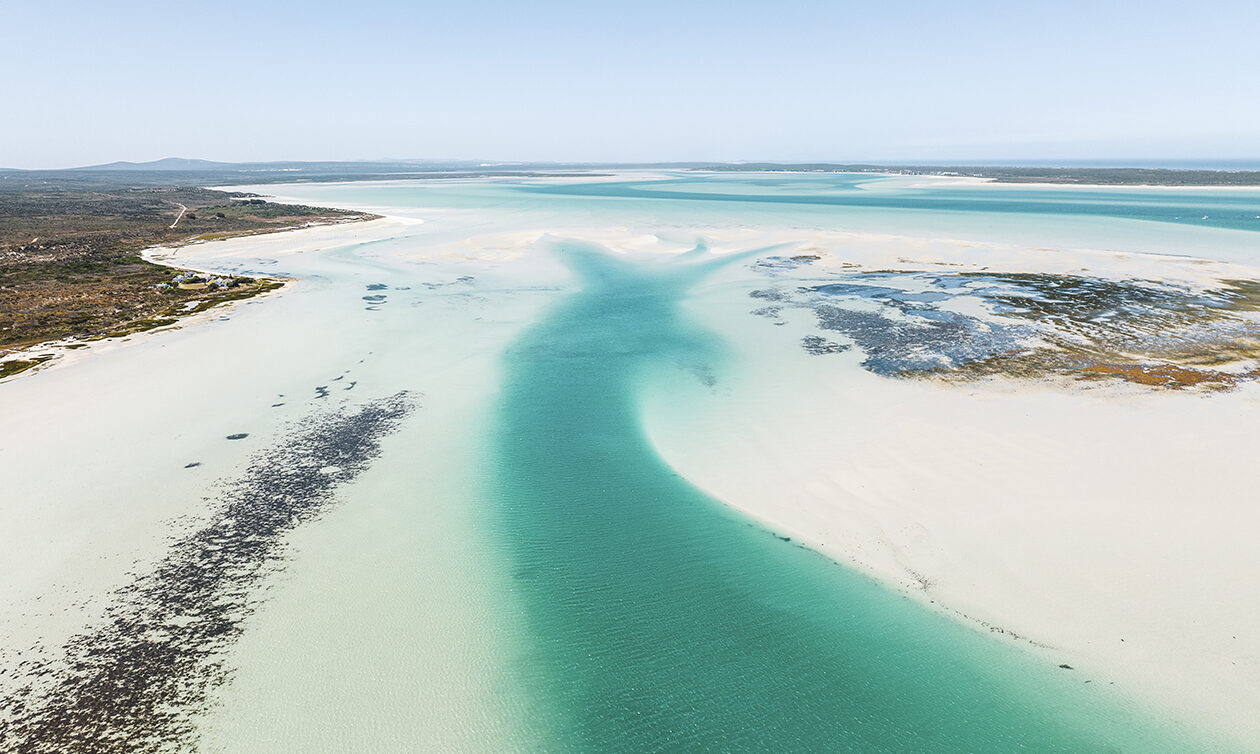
(1110, 526)
(1107, 527)
(111, 455)
(296, 240)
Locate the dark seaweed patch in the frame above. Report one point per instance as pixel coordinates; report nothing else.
(775, 263)
(137, 682)
(461, 280)
(931, 340)
(1035, 325)
(819, 346)
(771, 294)
(705, 375)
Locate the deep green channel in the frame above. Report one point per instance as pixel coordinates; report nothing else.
(657, 619)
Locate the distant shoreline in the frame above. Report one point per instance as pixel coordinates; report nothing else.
(202, 173)
(948, 179)
(1019, 176)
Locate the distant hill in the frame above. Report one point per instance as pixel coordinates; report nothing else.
(324, 167)
(176, 171)
(185, 164)
(169, 163)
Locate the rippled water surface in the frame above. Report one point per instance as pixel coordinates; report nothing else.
(660, 620)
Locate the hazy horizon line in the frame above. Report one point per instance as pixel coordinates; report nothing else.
(1150, 163)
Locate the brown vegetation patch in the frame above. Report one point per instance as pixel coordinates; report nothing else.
(69, 266)
(1036, 325)
(1168, 375)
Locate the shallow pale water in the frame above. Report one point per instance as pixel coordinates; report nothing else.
(1217, 224)
(520, 569)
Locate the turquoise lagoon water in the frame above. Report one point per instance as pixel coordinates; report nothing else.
(650, 617)
(1235, 210)
(662, 621)
(1216, 224)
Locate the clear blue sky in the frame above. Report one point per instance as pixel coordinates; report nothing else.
(88, 82)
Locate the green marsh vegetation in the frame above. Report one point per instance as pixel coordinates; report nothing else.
(17, 366)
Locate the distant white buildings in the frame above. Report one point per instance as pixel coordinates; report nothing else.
(198, 281)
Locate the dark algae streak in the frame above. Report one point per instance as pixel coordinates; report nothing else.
(1035, 326)
(136, 682)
